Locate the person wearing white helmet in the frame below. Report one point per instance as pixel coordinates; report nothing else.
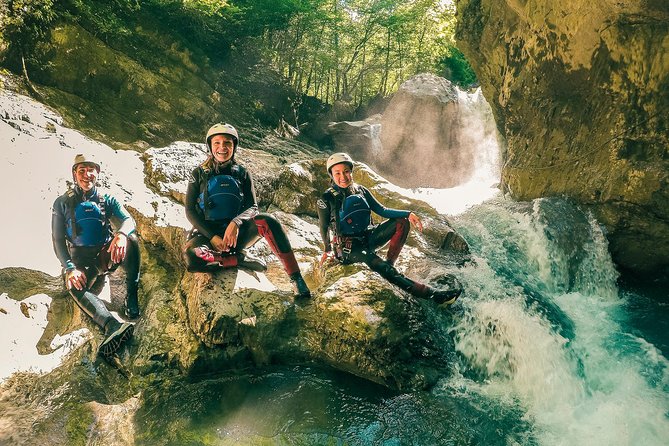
(345, 211)
(221, 205)
(92, 235)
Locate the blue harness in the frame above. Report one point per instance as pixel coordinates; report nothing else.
(222, 197)
(88, 224)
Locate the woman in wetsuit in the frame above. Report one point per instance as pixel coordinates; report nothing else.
(222, 207)
(345, 211)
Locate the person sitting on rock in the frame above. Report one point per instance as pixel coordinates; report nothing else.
(222, 207)
(345, 210)
(92, 235)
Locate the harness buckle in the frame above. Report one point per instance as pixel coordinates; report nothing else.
(347, 243)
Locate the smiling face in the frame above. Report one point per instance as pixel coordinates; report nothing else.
(222, 147)
(342, 175)
(86, 174)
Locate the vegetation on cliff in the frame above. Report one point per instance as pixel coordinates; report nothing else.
(346, 51)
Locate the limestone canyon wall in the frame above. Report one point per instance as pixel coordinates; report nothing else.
(580, 90)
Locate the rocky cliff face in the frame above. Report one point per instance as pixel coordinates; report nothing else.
(137, 96)
(580, 90)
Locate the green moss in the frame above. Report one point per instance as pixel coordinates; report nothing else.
(79, 422)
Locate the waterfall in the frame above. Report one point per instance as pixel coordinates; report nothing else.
(545, 327)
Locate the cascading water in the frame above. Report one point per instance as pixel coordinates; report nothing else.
(545, 328)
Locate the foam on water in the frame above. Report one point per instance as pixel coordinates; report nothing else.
(563, 354)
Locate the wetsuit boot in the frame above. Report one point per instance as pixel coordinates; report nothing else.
(131, 301)
(242, 259)
(116, 334)
(447, 297)
(300, 286)
(450, 294)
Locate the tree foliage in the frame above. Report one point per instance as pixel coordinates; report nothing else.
(24, 22)
(353, 50)
(335, 50)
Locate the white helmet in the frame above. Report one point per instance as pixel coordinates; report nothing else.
(222, 129)
(80, 158)
(338, 158)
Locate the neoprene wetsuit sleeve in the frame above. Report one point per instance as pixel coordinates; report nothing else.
(250, 204)
(58, 234)
(119, 216)
(380, 209)
(194, 216)
(323, 207)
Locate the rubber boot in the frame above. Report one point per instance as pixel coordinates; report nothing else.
(300, 286)
(92, 306)
(131, 301)
(116, 334)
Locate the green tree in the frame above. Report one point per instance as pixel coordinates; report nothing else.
(22, 24)
(353, 50)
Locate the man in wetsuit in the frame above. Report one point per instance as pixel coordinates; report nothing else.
(92, 235)
(345, 210)
(222, 207)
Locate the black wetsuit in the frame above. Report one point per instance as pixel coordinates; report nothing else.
(84, 247)
(252, 224)
(362, 246)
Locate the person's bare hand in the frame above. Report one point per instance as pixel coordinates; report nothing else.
(217, 243)
(76, 279)
(415, 221)
(118, 247)
(230, 236)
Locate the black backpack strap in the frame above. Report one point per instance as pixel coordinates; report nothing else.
(204, 190)
(336, 201)
(239, 173)
(71, 206)
(102, 204)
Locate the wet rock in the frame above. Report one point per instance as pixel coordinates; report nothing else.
(360, 139)
(579, 91)
(20, 283)
(423, 138)
(357, 324)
